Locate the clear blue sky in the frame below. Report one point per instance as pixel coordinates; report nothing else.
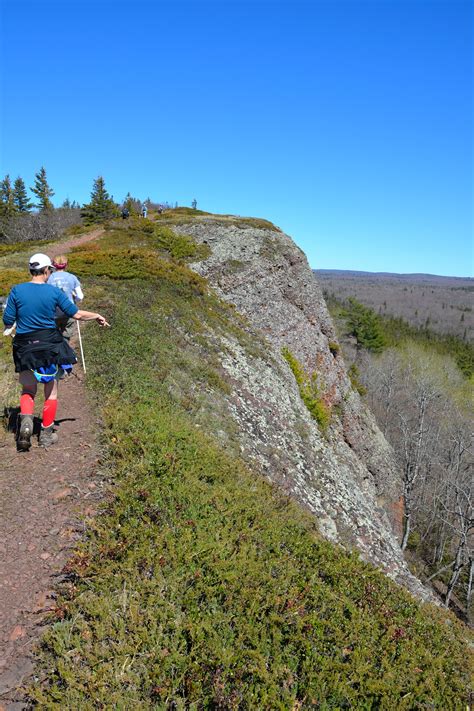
(347, 123)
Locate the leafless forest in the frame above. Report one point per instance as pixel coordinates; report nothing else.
(442, 304)
(422, 401)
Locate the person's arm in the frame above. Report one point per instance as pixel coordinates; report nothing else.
(90, 316)
(9, 315)
(65, 304)
(77, 292)
(72, 311)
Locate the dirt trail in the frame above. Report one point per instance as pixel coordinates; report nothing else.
(45, 496)
(75, 241)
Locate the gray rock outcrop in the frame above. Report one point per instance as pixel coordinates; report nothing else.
(347, 477)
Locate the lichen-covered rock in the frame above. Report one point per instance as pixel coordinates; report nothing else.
(347, 476)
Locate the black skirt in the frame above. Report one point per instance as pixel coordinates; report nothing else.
(41, 348)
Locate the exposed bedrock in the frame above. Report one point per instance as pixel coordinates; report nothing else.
(347, 477)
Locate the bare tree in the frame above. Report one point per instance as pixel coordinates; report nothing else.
(416, 428)
(418, 398)
(37, 226)
(460, 520)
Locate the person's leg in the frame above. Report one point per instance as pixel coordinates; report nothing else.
(47, 436)
(27, 408)
(50, 403)
(61, 323)
(69, 329)
(28, 392)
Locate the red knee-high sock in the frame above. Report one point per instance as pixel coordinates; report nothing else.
(27, 404)
(49, 412)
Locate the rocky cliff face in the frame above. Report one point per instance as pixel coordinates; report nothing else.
(347, 477)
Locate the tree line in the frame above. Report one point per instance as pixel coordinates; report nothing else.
(418, 386)
(14, 197)
(376, 332)
(22, 218)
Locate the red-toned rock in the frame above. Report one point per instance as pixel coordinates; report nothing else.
(62, 494)
(17, 633)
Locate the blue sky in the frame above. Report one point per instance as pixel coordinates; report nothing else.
(347, 123)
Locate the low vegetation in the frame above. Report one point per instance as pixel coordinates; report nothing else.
(309, 391)
(200, 586)
(185, 215)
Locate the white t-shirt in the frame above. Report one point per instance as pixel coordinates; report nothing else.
(69, 285)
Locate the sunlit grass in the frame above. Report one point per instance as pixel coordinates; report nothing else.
(201, 586)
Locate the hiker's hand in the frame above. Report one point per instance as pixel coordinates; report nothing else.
(101, 320)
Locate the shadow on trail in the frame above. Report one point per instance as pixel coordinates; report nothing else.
(11, 419)
(10, 416)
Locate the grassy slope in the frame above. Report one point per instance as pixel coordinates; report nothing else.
(200, 586)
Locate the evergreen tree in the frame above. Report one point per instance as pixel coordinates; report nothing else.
(20, 196)
(365, 326)
(101, 206)
(131, 204)
(42, 191)
(66, 204)
(7, 203)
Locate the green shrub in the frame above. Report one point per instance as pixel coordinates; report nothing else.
(129, 264)
(354, 376)
(180, 247)
(76, 230)
(309, 391)
(10, 277)
(24, 247)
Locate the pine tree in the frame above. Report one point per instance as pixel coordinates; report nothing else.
(132, 204)
(7, 203)
(20, 196)
(101, 206)
(365, 326)
(42, 191)
(66, 204)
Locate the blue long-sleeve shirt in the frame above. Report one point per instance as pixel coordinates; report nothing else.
(33, 307)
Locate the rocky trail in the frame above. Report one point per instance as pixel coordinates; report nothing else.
(46, 497)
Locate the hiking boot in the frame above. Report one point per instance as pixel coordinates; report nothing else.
(25, 432)
(47, 436)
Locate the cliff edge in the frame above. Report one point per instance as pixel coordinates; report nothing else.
(346, 476)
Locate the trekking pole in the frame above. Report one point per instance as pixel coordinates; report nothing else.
(80, 346)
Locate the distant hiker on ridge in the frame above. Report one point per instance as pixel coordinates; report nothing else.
(39, 349)
(125, 213)
(71, 286)
(144, 210)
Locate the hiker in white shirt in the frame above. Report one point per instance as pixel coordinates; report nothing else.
(71, 286)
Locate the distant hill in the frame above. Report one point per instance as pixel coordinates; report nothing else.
(442, 303)
(457, 282)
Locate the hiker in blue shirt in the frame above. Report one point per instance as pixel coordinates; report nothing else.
(69, 285)
(144, 210)
(39, 348)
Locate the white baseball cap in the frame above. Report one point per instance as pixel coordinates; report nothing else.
(38, 261)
